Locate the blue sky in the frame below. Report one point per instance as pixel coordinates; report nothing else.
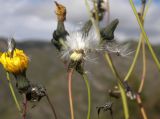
(35, 19)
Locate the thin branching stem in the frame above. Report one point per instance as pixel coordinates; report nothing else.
(51, 105)
(134, 59)
(24, 106)
(70, 73)
(114, 71)
(108, 10)
(96, 11)
(143, 51)
(92, 19)
(145, 35)
(147, 7)
(141, 38)
(107, 56)
(89, 94)
(13, 93)
(143, 77)
(122, 91)
(144, 54)
(139, 101)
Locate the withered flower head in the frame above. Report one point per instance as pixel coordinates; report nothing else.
(60, 12)
(35, 93)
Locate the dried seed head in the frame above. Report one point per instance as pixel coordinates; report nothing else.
(60, 11)
(35, 93)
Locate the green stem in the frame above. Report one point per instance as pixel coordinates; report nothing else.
(147, 7)
(89, 94)
(138, 47)
(134, 59)
(124, 101)
(13, 93)
(145, 35)
(96, 11)
(143, 76)
(122, 91)
(91, 18)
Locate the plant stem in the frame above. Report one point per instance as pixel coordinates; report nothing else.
(51, 105)
(142, 41)
(70, 73)
(134, 59)
(96, 11)
(145, 35)
(143, 77)
(91, 18)
(120, 84)
(89, 94)
(139, 101)
(108, 10)
(141, 38)
(13, 93)
(122, 91)
(24, 106)
(143, 53)
(147, 7)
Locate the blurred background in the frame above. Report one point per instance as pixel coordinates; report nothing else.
(32, 23)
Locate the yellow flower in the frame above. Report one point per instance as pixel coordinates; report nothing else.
(15, 64)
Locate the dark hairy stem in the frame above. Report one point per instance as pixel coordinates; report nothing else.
(51, 105)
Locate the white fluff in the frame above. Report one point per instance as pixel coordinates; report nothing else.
(78, 41)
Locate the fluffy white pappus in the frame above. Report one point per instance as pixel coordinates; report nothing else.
(78, 41)
(120, 49)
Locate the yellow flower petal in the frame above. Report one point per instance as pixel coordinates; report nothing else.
(15, 64)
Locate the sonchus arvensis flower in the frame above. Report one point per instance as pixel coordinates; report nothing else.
(15, 64)
(15, 61)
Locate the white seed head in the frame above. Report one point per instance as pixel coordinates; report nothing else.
(79, 45)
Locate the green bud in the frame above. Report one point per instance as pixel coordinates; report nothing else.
(107, 33)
